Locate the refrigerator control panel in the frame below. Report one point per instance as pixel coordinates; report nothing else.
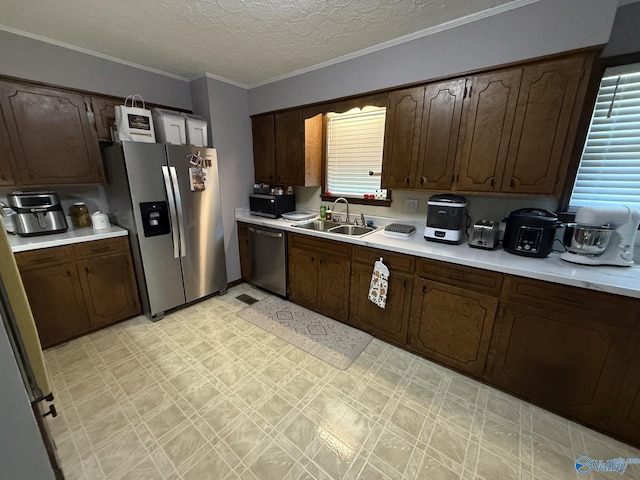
(155, 218)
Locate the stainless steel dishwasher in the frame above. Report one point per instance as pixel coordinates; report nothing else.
(268, 247)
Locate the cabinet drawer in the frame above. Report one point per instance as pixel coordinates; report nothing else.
(329, 247)
(395, 261)
(566, 298)
(44, 257)
(483, 281)
(98, 247)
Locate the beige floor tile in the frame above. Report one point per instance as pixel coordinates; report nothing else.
(204, 394)
(244, 437)
(183, 444)
(273, 464)
(393, 450)
(493, 467)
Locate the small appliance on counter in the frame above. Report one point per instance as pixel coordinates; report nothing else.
(399, 230)
(603, 236)
(36, 213)
(530, 232)
(445, 218)
(272, 206)
(485, 234)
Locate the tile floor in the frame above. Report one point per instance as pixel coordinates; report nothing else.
(203, 394)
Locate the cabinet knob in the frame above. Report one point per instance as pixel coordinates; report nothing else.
(513, 183)
(87, 271)
(407, 180)
(67, 273)
(422, 180)
(492, 182)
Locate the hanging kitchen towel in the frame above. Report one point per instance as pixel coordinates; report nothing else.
(379, 284)
(134, 123)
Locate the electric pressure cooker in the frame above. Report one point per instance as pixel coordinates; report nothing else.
(530, 232)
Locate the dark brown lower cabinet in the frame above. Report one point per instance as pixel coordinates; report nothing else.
(245, 255)
(319, 275)
(451, 325)
(75, 289)
(390, 323)
(109, 288)
(567, 361)
(625, 414)
(57, 303)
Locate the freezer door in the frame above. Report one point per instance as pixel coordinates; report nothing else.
(157, 250)
(200, 223)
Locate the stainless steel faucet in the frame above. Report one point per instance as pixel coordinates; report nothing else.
(333, 209)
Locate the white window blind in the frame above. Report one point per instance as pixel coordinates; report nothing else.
(354, 148)
(609, 172)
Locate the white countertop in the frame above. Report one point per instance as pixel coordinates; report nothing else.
(88, 234)
(618, 280)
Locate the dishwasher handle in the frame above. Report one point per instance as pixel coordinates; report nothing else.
(266, 233)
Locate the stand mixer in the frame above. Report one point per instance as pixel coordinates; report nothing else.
(604, 236)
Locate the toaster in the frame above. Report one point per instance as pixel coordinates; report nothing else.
(485, 234)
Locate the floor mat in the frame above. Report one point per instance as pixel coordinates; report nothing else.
(330, 341)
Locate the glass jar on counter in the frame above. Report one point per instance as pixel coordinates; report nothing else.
(80, 215)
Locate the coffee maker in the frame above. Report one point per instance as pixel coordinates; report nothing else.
(445, 218)
(603, 236)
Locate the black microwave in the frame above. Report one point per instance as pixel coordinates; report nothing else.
(272, 206)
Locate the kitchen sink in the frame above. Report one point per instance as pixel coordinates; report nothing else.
(319, 225)
(351, 230)
(335, 227)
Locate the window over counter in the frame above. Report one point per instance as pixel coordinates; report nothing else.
(609, 171)
(354, 145)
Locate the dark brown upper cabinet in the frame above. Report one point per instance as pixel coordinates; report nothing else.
(489, 110)
(287, 148)
(402, 138)
(50, 135)
(104, 116)
(441, 113)
(544, 126)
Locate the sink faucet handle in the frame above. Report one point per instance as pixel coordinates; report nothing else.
(363, 220)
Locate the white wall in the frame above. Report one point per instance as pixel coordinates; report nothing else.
(31, 59)
(226, 109)
(541, 28)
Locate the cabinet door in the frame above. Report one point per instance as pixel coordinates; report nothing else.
(451, 325)
(540, 146)
(55, 297)
(333, 287)
(109, 288)
(51, 135)
(390, 323)
(289, 138)
(625, 415)
(303, 270)
(245, 255)
(264, 149)
(402, 138)
(7, 155)
(439, 134)
(490, 107)
(567, 362)
(104, 116)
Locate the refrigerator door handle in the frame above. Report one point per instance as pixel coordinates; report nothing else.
(183, 243)
(172, 211)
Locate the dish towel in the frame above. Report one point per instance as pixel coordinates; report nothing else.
(379, 284)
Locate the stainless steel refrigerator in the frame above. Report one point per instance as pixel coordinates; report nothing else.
(168, 198)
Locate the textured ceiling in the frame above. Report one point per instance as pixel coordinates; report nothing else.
(246, 42)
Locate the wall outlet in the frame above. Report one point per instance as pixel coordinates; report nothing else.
(410, 205)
